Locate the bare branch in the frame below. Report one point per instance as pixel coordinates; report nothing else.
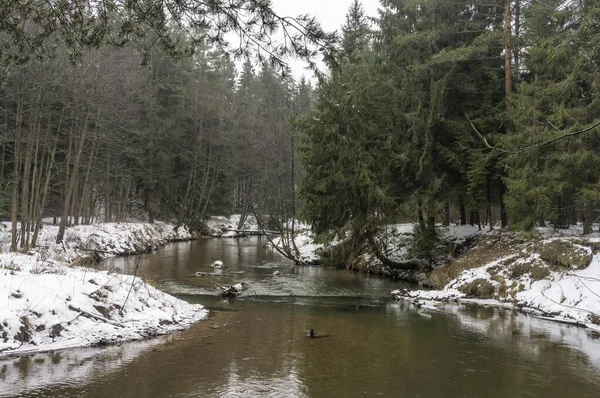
(534, 146)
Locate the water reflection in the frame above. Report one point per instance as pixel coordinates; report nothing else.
(74, 367)
(174, 271)
(258, 346)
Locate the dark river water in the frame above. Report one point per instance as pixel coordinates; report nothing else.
(257, 346)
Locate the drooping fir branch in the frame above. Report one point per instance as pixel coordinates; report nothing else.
(31, 28)
(534, 146)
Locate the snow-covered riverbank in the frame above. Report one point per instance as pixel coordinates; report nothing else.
(556, 278)
(552, 274)
(99, 241)
(48, 303)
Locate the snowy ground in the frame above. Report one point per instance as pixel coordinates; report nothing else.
(394, 238)
(227, 227)
(100, 241)
(549, 278)
(48, 303)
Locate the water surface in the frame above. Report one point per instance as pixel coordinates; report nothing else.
(257, 346)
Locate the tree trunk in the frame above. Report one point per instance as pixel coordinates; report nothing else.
(446, 219)
(503, 214)
(507, 57)
(107, 189)
(16, 176)
(25, 192)
(43, 199)
(72, 181)
(463, 213)
(488, 215)
(420, 218)
(516, 46)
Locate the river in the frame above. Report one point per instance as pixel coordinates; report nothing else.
(257, 346)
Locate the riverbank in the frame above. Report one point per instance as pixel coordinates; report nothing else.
(85, 243)
(229, 226)
(556, 277)
(551, 274)
(49, 302)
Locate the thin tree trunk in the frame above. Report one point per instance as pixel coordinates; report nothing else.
(16, 176)
(49, 167)
(507, 62)
(72, 180)
(35, 185)
(446, 219)
(420, 215)
(489, 207)
(503, 214)
(85, 193)
(25, 191)
(107, 189)
(516, 46)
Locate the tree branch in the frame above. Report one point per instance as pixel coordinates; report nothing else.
(534, 146)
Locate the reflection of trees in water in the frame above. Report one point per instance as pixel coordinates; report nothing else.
(263, 349)
(76, 367)
(532, 336)
(519, 350)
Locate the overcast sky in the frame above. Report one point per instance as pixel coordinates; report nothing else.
(330, 13)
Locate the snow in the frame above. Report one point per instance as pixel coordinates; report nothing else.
(48, 303)
(569, 296)
(309, 250)
(227, 227)
(573, 295)
(99, 241)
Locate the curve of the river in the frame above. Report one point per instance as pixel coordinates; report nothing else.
(257, 346)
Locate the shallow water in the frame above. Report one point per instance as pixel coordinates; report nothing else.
(258, 346)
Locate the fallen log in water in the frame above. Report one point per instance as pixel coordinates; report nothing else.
(231, 291)
(226, 274)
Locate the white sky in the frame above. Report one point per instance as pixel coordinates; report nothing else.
(330, 13)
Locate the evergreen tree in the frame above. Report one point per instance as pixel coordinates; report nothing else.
(557, 182)
(355, 31)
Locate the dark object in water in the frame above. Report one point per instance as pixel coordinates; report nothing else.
(313, 335)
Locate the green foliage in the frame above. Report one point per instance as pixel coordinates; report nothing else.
(389, 126)
(556, 182)
(80, 25)
(425, 243)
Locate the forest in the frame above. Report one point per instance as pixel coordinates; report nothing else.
(436, 112)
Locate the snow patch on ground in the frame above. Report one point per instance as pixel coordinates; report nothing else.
(570, 295)
(308, 249)
(47, 305)
(227, 227)
(99, 241)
